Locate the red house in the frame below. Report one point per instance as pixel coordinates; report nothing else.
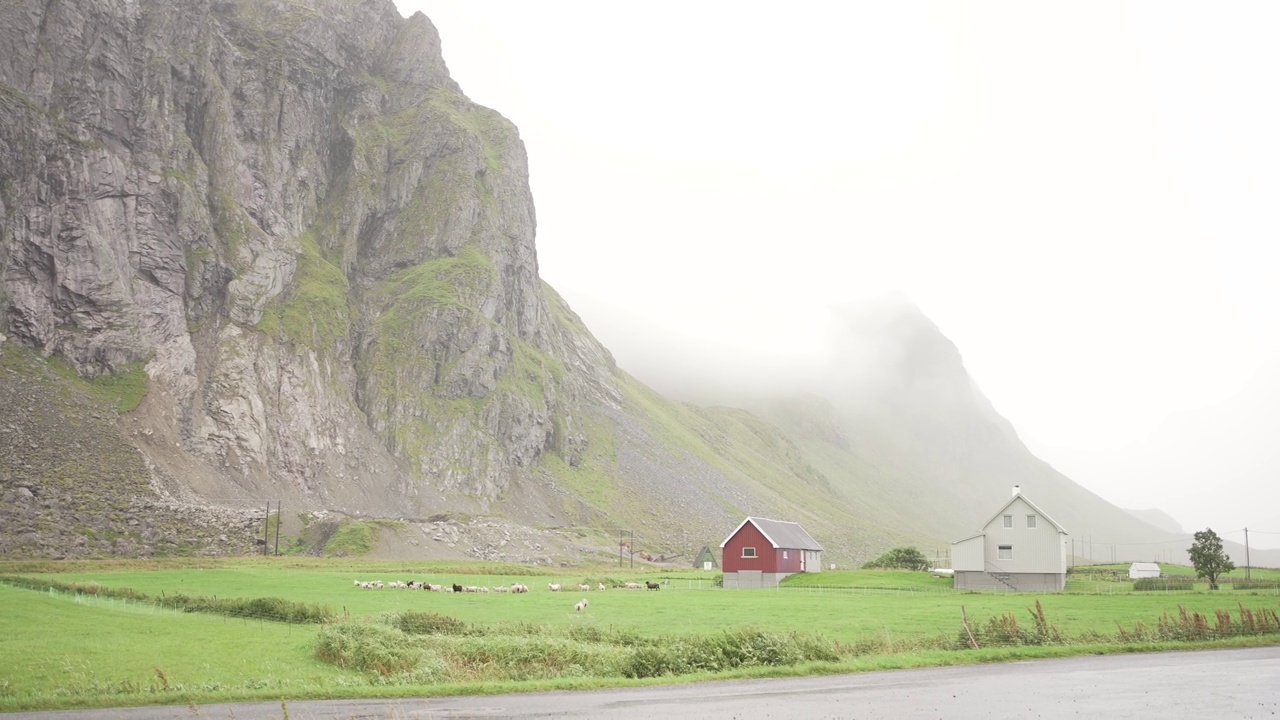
(761, 552)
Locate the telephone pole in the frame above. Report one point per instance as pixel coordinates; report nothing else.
(1246, 553)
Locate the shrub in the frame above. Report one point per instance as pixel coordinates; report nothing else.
(276, 609)
(646, 662)
(745, 647)
(1004, 630)
(1178, 583)
(901, 558)
(1255, 585)
(424, 623)
(378, 649)
(268, 608)
(506, 657)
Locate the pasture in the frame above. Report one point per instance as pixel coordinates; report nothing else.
(63, 650)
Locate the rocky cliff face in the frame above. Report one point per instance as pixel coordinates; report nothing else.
(268, 250)
(319, 250)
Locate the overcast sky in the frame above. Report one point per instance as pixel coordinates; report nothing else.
(1085, 197)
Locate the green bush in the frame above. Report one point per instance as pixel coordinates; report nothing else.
(276, 609)
(646, 662)
(269, 608)
(1180, 583)
(506, 657)
(425, 623)
(1255, 584)
(380, 650)
(900, 558)
(745, 647)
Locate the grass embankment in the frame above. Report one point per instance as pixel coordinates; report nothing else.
(58, 650)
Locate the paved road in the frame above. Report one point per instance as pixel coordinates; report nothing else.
(1208, 684)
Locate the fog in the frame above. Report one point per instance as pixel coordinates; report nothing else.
(1081, 196)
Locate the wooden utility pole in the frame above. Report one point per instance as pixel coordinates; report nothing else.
(1246, 553)
(279, 517)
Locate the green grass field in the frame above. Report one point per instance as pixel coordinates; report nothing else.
(62, 650)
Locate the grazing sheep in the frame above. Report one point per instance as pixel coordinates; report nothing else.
(584, 587)
(502, 589)
(634, 586)
(653, 585)
(553, 587)
(434, 588)
(519, 588)
(580, 605)
(457, 587)
(600, 587)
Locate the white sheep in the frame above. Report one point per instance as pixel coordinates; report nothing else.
(600, 587)
(584, 587)
(553, 587)
(581, 605)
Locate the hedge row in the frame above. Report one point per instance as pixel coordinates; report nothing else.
(268, 608)
(1176, 583)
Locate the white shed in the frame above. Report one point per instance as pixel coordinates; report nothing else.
(1143, 570)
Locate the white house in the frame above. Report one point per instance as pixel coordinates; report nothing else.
(1143, 570)
(1019, 548)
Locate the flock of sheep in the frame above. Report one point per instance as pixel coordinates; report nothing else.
(512, 588)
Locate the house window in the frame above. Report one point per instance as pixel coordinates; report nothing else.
(784, 554)
(1031, 521)
(748, 552)
(1008, 521)
(1005, 552)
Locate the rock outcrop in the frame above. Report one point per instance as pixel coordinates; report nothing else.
(322, 252)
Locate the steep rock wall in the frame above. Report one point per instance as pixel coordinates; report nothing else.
(320, 249)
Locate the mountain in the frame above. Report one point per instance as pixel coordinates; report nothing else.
(311, 258)
(267, 254)
(1158, 518)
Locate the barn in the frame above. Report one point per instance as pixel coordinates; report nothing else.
(1144, 570)
(761, 552)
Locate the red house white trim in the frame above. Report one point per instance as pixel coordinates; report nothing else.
(761, 552)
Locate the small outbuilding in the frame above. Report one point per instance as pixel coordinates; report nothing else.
(706, 559)
(1143, 570)
(761, 552)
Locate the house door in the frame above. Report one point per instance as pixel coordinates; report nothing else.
(804, 555)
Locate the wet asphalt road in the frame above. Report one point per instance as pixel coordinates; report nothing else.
(1203, 684)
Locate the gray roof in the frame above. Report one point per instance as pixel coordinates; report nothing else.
(781, 534)
(1145, 566)
(1024, 499)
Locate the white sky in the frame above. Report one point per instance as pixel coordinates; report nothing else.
(1085, 197)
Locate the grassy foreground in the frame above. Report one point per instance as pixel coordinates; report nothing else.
(60, 649)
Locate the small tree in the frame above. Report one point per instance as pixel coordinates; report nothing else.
(1208, 558)
(907, 558)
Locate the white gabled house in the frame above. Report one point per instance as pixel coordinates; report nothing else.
(1019, 548)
